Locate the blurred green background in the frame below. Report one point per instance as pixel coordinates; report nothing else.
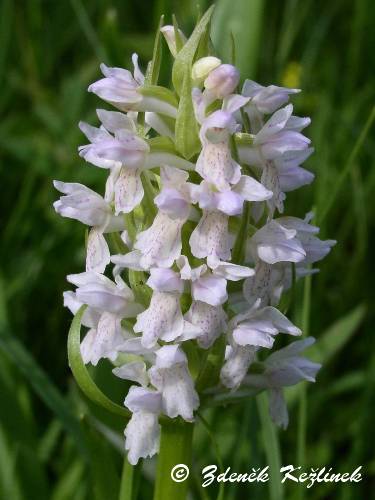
(53, 443)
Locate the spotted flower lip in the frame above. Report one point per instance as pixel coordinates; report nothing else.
(171, 377)
(142, 434)
(200, 251)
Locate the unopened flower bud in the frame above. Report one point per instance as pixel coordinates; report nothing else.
(169, 34)
(222, 80)
(203, 67)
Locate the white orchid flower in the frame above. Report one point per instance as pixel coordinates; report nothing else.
(210, 320)
(208, 283)
(108, 303)
(263, 100)
(314, 248)
(142, 433)
(170, 375)
(160, 245)
(283, 368)
(275, 243)
(279, 135)
(237, 362)
(247, 333)
(211, 236)
(267, 99)
(124, 91)
(259, 326)
(215, 163)
(88, 207)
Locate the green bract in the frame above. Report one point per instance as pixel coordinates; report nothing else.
(81, 374)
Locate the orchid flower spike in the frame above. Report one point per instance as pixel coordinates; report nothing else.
(189, 253)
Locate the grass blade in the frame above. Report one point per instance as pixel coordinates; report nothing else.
(302, 410)
(42, 385)
(272, 448)
(88, 29)
(244, 23)
(346, 170)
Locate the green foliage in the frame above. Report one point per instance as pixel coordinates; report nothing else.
(49, 53)
(187, 141)
(185, 56)
(81, 373)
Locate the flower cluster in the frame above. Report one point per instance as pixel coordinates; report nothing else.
(200, 253)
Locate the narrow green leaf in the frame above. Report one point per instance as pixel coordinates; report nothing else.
(153, 68)
(161, 144)
(67, 484)
(330, 343)
(352, 381)
(216, 448)
(105, 480)
(42, 385)
(243, 22)
(348, 166)
(302, 409)
(88, 29)
(177, 34)
(186, 55)
(205, 47)
(10, 484)
(337, 335)
(271, 447)
(187, 140)
(160, 93)
(81, 374)
(32, 474)
(48, 442)
(7, 10)
(114, 438)
(129, 480)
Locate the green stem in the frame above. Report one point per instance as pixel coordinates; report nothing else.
(175, 448)
(210, 372)
(148, 199)
(238, 253)
(127, 481)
